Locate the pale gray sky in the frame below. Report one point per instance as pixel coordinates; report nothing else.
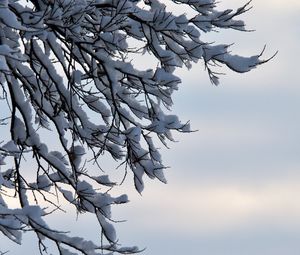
(233, 186)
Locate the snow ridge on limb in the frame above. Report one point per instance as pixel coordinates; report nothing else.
(66, 66)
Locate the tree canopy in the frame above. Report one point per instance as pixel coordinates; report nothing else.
(67, 67)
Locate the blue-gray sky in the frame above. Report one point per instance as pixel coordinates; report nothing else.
(234, 185)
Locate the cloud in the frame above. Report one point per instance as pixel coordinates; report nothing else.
(218, 208)
(266, 4)
(278, 4)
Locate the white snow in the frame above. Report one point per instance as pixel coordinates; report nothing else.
(66, 67)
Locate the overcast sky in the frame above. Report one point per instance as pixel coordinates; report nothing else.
(234, 186)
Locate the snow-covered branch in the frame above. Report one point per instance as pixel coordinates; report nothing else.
(67, 67)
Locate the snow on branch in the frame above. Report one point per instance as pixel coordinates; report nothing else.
(66, 67)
